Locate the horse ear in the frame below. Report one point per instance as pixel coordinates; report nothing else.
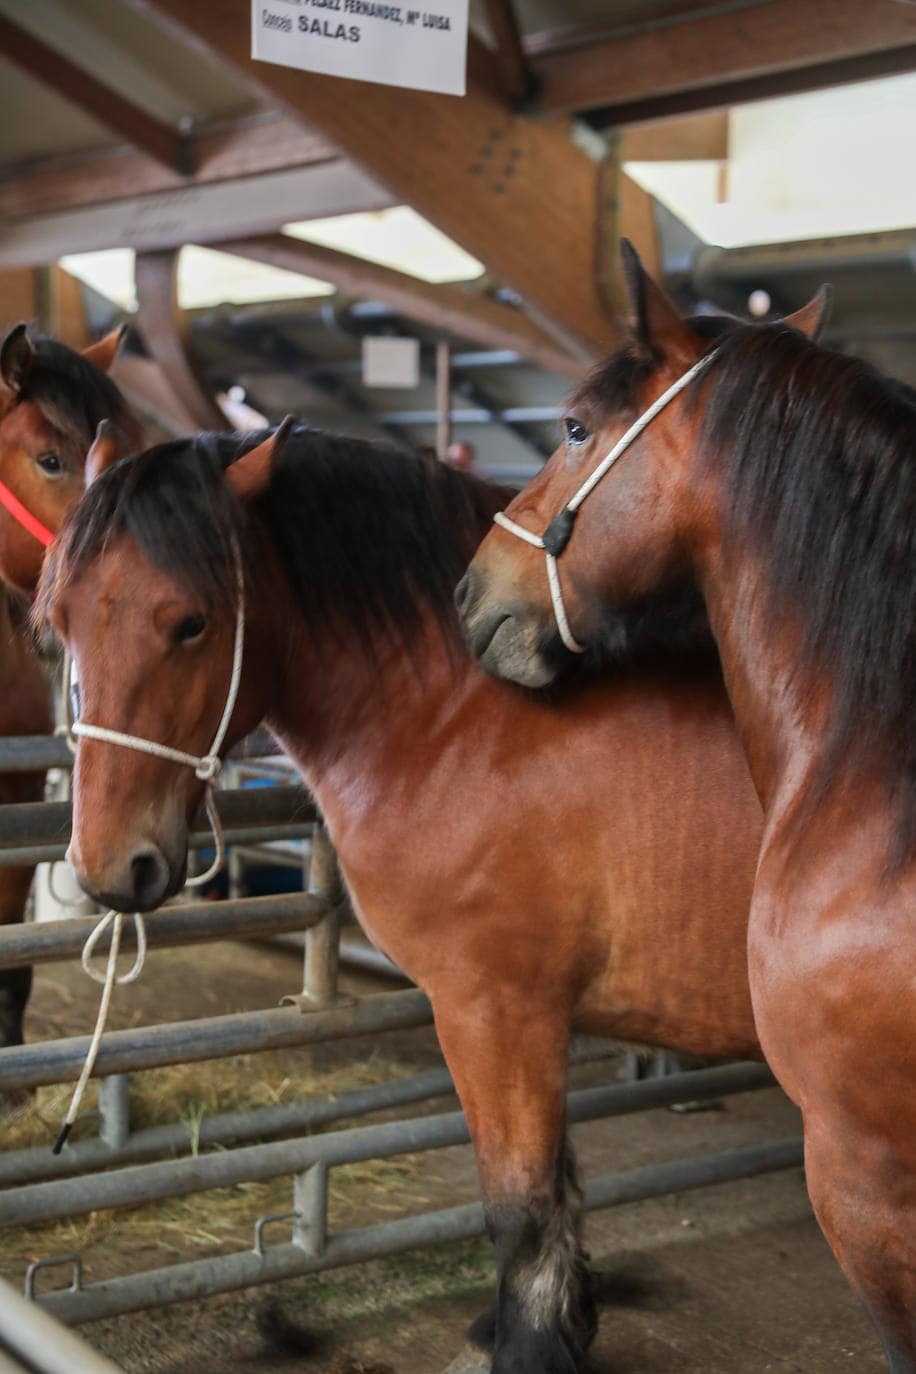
(105, 450)
(17, 355)
(657, 323)
(813, 317)
(249, 475)
(104, 351)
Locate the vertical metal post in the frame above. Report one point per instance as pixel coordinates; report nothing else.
(322, 942)
(310, 1199)
(114, 1110)
(443, 398)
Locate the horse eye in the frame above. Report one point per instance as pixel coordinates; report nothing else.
(575, 433)
(50, 463)
(192, 627)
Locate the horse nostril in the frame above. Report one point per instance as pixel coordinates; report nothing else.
(150, 877)
(464, 593)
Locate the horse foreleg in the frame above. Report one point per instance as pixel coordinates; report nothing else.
(15, 983)
(509, 1061)
(862, 1191)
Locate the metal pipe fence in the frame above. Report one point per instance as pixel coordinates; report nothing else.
(212, 1037)
(33, 1342)
(37, 753)
(251, 1164)
(311, 1250)
(174, 926)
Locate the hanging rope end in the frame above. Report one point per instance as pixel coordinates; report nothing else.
(62, 1138)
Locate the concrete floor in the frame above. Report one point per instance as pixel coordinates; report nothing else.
(734, 1279)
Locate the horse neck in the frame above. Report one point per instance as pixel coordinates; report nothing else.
(351, 715)
(779, 711)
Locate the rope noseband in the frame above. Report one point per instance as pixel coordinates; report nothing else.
(24, 517)
(557, 534)
(206, 767)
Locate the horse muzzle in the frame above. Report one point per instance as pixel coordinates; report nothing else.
(506, 640)
(141, 881)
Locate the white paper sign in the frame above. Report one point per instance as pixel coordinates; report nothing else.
(390, 362)
(422, 46)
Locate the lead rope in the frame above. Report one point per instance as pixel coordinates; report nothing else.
(556, 536)
(207, 768)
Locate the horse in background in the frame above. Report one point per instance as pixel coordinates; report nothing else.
(535, 866)
(780, 478)
(52, 400)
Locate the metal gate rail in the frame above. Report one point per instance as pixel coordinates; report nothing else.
(39, 832)
(312, 1251)
(33, 1342)
(225, 1168)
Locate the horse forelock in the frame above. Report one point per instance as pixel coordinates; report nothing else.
(70, 391)
(365, 533)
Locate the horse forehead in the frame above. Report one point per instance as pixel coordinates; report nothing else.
(119, 585)
(24, 422)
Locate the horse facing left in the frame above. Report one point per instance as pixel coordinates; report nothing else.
(536, 867)
(781, 478)
(52, 400)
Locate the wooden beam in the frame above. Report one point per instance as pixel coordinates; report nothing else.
(151, 398)
(193, 214)
(643, 70)
(52, 69)
(516, 75)
(797, 80)
(518, 195)
(66, 309)
(161, 321)
(222, 152)
(626, 211)
(690, 138)
(20, 297)
(442, 305)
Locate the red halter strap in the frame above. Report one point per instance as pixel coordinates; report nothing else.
(25, 517)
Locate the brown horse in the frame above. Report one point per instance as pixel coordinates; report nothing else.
(51, 402)
(784, 483)
(536, 867)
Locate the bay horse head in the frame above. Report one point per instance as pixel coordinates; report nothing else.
(146, 586)
(584, 554)
(52, 400)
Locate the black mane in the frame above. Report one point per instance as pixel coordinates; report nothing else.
(72, 393)
(366, 533)
(819, 456)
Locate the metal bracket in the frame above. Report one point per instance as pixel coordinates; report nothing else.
(309, 1216)
(264, 1221)
(53, 1262)
(304, 1003)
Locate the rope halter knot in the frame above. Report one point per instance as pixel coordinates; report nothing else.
(558, 533)
(207, 768)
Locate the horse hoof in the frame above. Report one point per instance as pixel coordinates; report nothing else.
(482, 1331)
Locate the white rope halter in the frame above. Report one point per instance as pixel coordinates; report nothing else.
(556, 536)
(207, 768)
